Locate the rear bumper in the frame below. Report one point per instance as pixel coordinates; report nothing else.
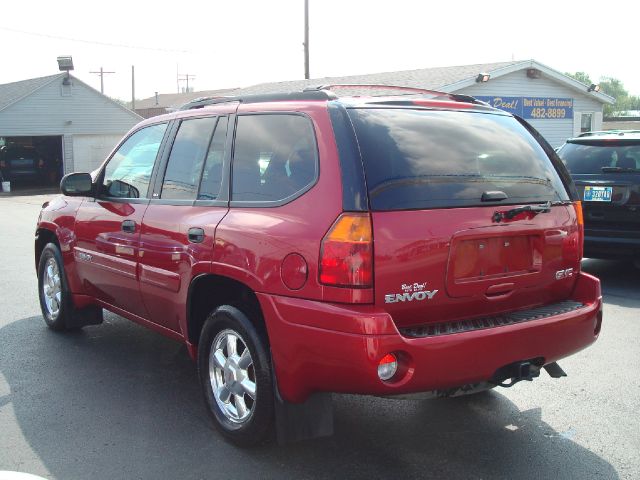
(319, 347)
(619, 245)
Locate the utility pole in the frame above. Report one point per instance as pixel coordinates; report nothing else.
(306, 39)
(185, 77)
(102, 73)
(133, 88)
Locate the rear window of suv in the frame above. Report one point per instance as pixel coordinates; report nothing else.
(418, 159)
(592, 157)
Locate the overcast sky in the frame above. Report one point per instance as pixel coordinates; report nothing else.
(244, 42)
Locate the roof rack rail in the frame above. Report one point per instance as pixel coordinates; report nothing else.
(456, 97)
(262, 98)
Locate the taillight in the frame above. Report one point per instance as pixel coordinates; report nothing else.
(40, 163)
(2, 164)
(346, 252)
(577, 206)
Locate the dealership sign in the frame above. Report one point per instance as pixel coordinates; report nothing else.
(534, 108)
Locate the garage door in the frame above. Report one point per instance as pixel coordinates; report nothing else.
(89, 151)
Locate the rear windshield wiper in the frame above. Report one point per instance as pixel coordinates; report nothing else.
(618, 169)
(509, 214)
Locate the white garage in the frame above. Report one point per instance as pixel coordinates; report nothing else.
(69, 125)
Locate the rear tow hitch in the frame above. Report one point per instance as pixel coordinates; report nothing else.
(513, 373)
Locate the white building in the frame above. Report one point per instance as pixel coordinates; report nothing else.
(556, 105)
(72, 125)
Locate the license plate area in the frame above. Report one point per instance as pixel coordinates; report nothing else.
(481, 258)
(597, 194)
(478, 262)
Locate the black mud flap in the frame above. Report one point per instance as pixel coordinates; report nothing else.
(83, 317)
(303, 421)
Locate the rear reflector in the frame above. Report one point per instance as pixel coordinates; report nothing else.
(387, 367)
(346, 253)
(577, 205)
(578, 208)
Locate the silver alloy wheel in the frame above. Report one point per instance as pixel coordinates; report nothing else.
(52, 288)
(232, 376)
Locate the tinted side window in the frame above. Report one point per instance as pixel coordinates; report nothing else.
(275, 156)
(184, 167)
(128, 172)
(417, 159)
(212, 173)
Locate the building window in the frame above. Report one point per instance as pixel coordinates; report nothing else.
(586, 122)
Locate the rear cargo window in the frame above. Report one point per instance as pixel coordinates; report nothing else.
(592, 158)
(417, 159)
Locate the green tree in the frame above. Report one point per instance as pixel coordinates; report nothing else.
(614, 88)
(581, 77)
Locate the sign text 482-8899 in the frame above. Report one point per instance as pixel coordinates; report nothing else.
(553, 108)
(536, 108)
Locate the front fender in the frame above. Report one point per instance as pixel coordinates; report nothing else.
(58, 219)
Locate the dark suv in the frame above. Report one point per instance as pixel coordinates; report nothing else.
(302, 244)
(606, 171)
(18, 162)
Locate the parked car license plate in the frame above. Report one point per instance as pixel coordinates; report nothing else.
(597, 194)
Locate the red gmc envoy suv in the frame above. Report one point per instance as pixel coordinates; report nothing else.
(303, 243)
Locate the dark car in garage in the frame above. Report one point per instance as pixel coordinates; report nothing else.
(21, 162)
(606, 171)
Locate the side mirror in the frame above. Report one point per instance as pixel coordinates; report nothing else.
(76, 185)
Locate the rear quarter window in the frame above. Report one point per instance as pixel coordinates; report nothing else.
(417, 159)
(275, 157)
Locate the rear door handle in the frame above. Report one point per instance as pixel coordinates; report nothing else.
(499, 291)
(196, 235)
(129, 226)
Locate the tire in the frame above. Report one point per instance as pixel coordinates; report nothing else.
(53, 290)
(236, 381)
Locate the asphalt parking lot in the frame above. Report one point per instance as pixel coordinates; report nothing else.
(119, 401)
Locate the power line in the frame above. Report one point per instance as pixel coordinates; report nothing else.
(95, 42)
